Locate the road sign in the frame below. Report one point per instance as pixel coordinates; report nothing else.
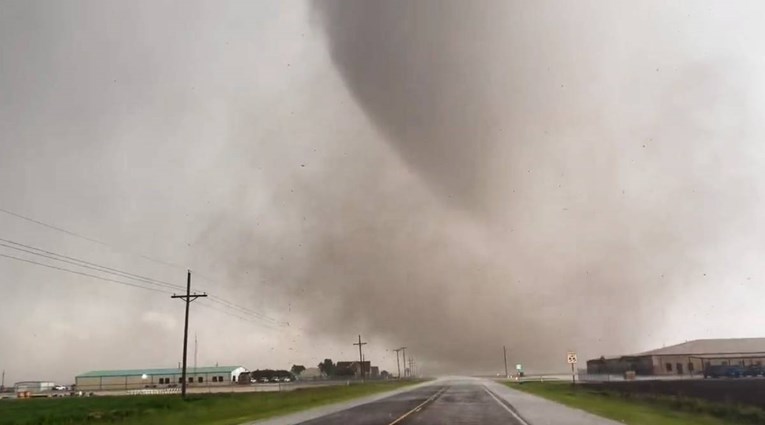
(519, 367)
(571, 358)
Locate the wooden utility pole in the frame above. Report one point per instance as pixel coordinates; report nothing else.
(361, 358)
(188, 298)
(398, 365)
(504, 351)
(403, 356)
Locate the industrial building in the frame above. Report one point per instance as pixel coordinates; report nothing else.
(33, 386)
(688, 358)
(100, 380)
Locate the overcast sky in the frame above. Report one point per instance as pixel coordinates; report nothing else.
(451, 176)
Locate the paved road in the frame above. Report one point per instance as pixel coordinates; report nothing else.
(463, 403)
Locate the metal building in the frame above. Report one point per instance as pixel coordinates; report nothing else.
(33, 386)
(101, 380)
(688, 358)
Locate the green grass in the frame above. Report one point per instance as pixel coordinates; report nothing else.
(207, 409)
(644, 409)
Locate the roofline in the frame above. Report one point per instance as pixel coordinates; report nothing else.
(155, 371)
(696, 354)
(743, 354)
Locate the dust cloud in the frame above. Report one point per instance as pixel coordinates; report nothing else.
(451, 176)
(579, 156)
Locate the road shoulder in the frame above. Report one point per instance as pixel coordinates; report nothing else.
(539, 411)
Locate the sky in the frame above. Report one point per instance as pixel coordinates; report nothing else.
(443, 175)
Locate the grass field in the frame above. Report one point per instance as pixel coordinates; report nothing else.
(644, 410)
(208, 409)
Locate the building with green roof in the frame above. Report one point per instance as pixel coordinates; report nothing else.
(130, 379)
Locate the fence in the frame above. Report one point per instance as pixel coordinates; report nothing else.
(155, 391)
(603, 377)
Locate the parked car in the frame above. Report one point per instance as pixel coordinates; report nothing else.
(753, 370)
(263, 380)
(723, 371)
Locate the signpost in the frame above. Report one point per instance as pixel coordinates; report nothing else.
(571, 359)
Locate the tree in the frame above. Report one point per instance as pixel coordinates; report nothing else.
(327, 367)
(297, 369)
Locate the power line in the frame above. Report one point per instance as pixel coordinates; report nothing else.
(77, 235)
(120, 272)
(104, 269)
(96, 268)
(243, 318)
(85, 274)
(112, 246)
(116, 271)
(245, 310)
(249, 319)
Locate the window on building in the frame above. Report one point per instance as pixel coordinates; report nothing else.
(690, 366)
(233, 379)
(725, 363)
(180, 380)
(191, 380)
(669, 367)
(215, 379)
(758, 362)
(201, 379)
(220, 379)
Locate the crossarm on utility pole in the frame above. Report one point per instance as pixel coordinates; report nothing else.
(361, 357)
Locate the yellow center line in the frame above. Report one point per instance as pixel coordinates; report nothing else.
(419, 406)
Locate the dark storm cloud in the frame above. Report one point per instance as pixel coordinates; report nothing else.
(556, 130)
(452, 176)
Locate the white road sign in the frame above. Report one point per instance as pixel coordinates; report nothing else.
(518, 367)
(571, 358)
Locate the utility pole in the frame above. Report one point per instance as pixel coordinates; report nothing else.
(195, 353)
(411, 366)
(361, 358)
(504, 351)
(188, 298)
(398, 365)
(403, 354)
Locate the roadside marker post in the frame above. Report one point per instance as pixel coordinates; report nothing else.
(571, 359)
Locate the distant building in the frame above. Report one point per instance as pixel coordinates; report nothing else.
(310, 373)
(369, 370)
(687, 358)
(99, 380)
(33, 386)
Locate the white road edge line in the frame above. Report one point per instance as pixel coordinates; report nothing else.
(515, 415)
(419, 406)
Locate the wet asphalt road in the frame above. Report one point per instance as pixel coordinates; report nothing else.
(455, 404)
